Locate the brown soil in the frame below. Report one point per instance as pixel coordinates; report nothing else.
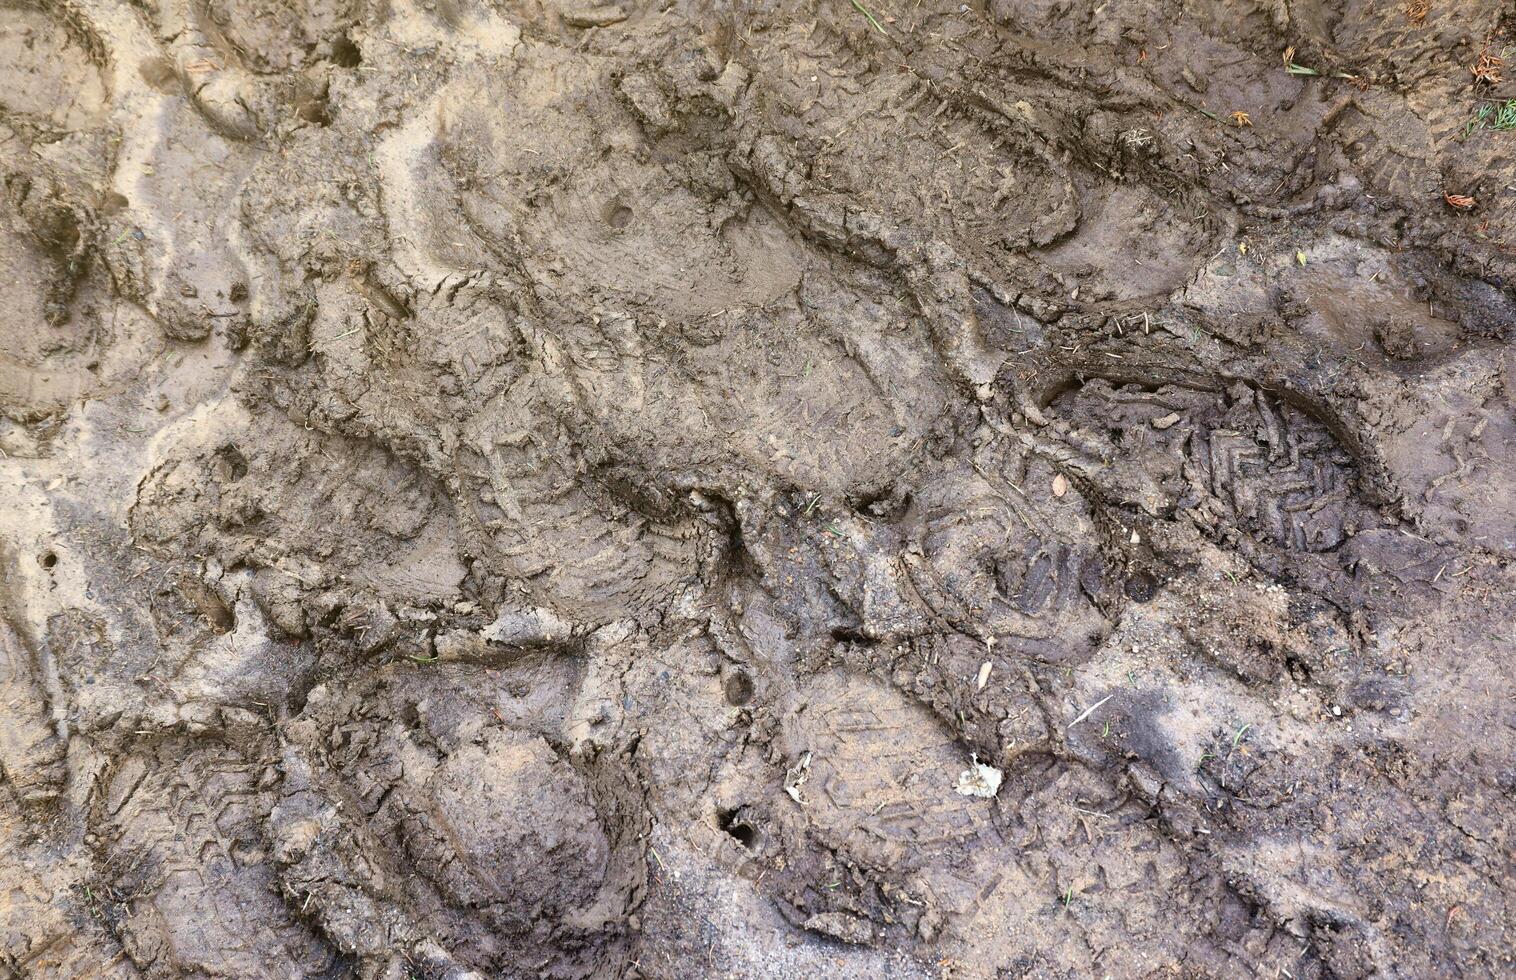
(508, 488)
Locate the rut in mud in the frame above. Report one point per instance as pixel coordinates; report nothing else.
(828, 489)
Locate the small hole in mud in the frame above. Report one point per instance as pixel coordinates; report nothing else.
(738, 828)
(618, 216)
(1141, 587)
(881, 505)
(48, 560)
(739, 689)
(345, 53)
(313, 110)
(230, 465)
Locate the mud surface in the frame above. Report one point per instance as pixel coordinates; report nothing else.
(500, 488)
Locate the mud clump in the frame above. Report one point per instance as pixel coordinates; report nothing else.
(524, 490)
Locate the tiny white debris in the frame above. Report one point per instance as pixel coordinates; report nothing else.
(1136, 538)
(1336, 711)
(979, 779)
(1060, 485)
(984, 675)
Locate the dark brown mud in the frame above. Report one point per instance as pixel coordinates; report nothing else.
(882, 489)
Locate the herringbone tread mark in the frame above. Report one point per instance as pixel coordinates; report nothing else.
(882, 773)
(1001, 566)
(184, 847)
(31, 754)
(1241, 460)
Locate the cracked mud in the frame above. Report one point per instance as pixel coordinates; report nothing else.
(515, 489)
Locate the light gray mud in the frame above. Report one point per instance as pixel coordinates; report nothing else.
(522, 489)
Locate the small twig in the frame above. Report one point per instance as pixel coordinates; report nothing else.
(1090, 710)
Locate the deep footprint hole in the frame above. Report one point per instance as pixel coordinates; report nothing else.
(739, 689)
(1141, 587)
(737, 827)
(345, 53)
(617, 215)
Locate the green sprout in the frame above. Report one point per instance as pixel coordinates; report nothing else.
(1499, 116)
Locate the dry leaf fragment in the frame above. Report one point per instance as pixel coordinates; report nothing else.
(1165, 421)
(979, 779)
(795, 777)
(1060, 485)
(1241, 118)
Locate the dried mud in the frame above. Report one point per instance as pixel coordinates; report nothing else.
(513, 489)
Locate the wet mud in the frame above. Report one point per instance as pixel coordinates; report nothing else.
(880, 489)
